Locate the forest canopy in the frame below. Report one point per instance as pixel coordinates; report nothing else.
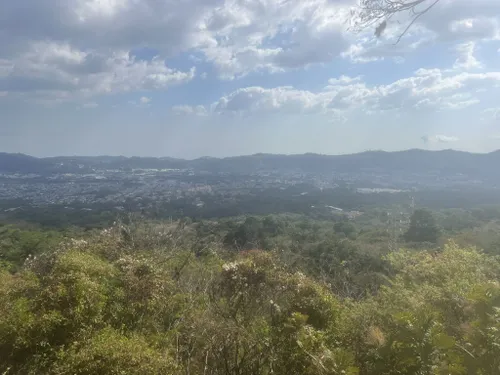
(176, 298)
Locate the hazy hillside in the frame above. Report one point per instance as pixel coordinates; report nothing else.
(21, 163)
(441, 163)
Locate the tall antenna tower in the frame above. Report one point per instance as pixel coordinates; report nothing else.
(394, 228)
(398, 219)
(412, 205)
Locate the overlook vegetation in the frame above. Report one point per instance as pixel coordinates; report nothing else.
(280, 294)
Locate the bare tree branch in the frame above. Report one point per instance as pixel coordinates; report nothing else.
(379, 12)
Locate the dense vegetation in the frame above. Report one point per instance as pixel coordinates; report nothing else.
(279, 294)
(476, 206)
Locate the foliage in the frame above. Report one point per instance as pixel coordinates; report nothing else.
(110, 352)
(175, 298)
(17, 244)
(422, 228)
(426, 320)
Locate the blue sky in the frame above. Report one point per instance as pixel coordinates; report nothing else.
(190, 78)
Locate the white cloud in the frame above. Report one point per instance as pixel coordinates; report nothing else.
(343, 80)
(438, 89)
(142, 102)
(455, 21)
(439, 139)
(61, 72)
(190, 110)
(275, 35)
(59, 51)
(370, 49)
(491, 114)
(237, 36)
(429, 89)
(258, 99)
(480, 27)
(466, 59)
(90, 105)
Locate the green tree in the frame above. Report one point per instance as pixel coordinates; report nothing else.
(346, 228)
(247, 235)
(423, 227)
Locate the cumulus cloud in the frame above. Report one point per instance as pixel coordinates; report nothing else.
(275, 35)
(450, 21)
(236, 36)
(466, 59)
(59, 51)
(456, 20)
(426, 89)
(59, 71)
(62, 50)
(435, 88)
(369, 49)
(439, 139)
(258, 99)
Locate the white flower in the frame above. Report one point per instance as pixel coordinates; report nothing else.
(230, 266)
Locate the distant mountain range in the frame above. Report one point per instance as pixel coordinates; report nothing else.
(446, 163)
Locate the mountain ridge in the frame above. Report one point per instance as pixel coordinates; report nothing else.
(447, 162)
(108, 156)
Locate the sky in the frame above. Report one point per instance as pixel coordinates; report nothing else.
(192, 78)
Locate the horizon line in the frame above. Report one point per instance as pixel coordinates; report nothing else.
(250, 155)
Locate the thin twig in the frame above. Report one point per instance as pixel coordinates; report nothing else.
(420, 14)
(373, 11)
(465, 350)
